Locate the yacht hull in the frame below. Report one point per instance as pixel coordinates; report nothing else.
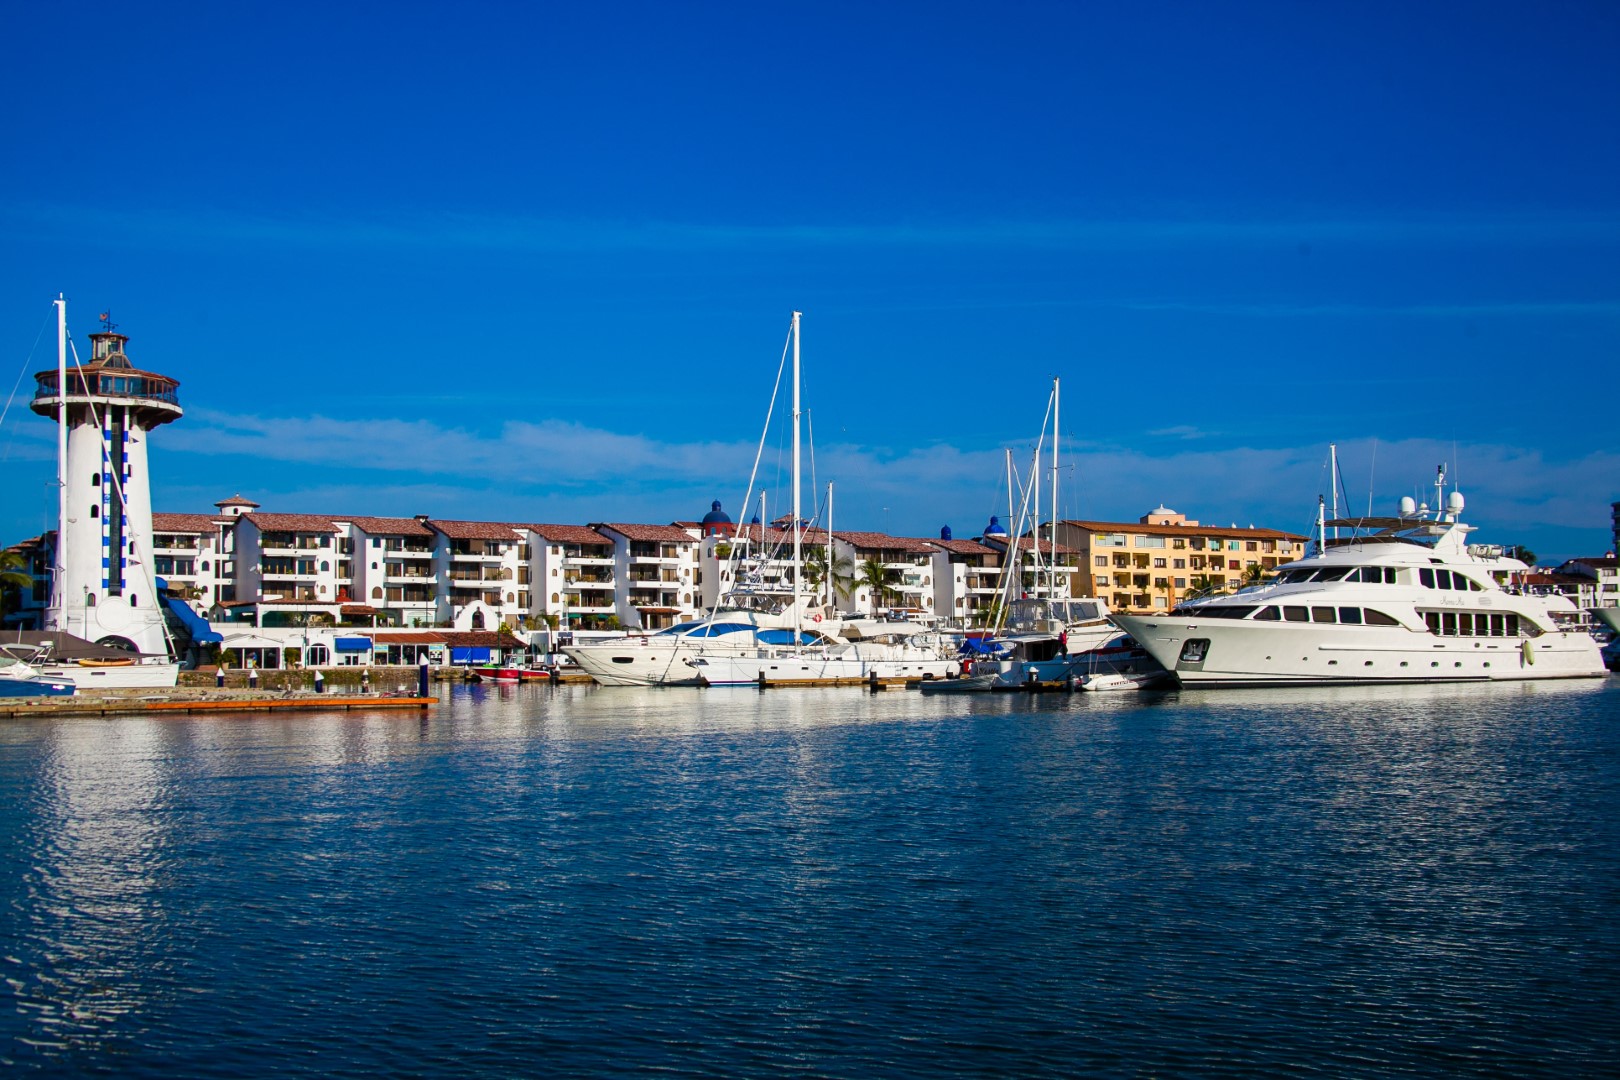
(1236, 653)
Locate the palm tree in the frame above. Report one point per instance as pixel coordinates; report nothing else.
(1523, 554)
(1203, 585)
(874, 576)
(1254, 574)
(820, 570)
(13, 580)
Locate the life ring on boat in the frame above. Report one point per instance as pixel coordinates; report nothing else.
(1528, 651)
(815, 618)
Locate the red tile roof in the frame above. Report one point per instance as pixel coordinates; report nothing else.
(477, 530)
(875, 541)
(463, 639)
(419, 637)
(568, 534)
(387, 526)
(182, 523)
(965, 547)
(651, 533)
(292, 522)
(1023, 543)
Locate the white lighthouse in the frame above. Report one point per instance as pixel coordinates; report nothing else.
(104, 587)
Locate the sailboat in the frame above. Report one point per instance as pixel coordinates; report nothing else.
(1045, 638)
(762, 636)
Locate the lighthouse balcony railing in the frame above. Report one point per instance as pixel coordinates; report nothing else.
(106, 385)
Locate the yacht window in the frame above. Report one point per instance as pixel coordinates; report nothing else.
(1267, 614)
(1389, 575)
(1448, 623)
(1321, 614)
(1465, 624)
(1442, 579)
(1496, 626)
(1335, 573)
(1474, 586)
(1432, 618)
(1378, 618)
(1296, 614)
(1350, 615)
(1426, 577)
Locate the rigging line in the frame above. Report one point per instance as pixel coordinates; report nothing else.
(753, 474)
(1372, 474)
(28, 362)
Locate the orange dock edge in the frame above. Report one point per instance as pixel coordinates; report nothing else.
(88, 706)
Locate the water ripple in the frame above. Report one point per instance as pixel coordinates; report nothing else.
(690, 883)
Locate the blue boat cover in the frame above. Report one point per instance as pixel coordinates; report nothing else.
(472, 654)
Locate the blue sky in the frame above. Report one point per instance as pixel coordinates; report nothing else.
(536, 262)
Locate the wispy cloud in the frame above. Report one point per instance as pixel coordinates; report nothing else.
(541, 471)
(470, 232)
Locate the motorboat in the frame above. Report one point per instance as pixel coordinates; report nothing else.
(1120, 664)
(1401, 599)
(21, 677)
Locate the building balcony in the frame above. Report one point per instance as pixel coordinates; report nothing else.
(411, 579)
(477, 557)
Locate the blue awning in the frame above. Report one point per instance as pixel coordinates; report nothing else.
(352, 644)
(473, 654)
(201, 633)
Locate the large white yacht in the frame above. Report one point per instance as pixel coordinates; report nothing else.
(1412, 601)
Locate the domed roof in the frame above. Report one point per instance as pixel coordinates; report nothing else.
(716, 516)
(995, 528)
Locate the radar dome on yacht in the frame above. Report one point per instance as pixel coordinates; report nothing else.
(1408, 506)
(1455, 502)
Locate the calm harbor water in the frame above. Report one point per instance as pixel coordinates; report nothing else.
(582, 881)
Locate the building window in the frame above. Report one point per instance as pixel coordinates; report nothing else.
(1101, 560)
(95, 511)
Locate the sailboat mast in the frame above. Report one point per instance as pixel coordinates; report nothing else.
(798, 554)
(829, 548)
(1052, 537)
(58, 596)
(1333, 479)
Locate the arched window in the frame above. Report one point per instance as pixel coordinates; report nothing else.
(555, 598)
(316, 656)
(510, 597)
(478, 620)
(376, 592)
(205, 564)
(95, 511)
(134, 601)
(325, 566)
(89, 599)
(95, 479)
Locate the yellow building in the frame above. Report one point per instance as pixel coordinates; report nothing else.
(1155, 562)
